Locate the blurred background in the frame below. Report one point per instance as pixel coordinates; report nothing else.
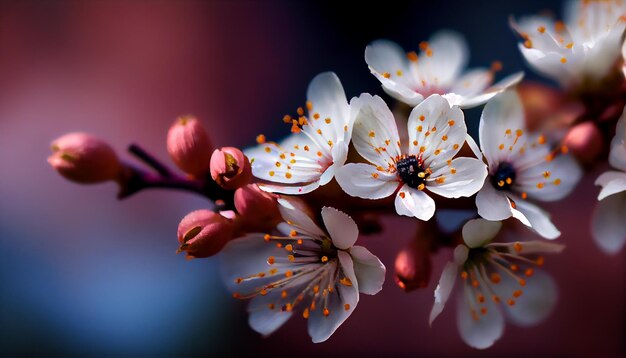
(84, 274)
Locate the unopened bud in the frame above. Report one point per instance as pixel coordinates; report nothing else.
(584, 141)
(413, 266)
(258, 209)
(203, 233)
(189, 146)
(84, 159)
(230, 168)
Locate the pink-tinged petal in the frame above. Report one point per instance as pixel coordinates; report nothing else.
(539, 219)
(436, 131)
(297, 220)
(369, 271)
(492, 204)
(375, 135)
(612, 182)
(342, 229)
(608, 224)
(549, 181)
(617, 157)
(365, 181)
(538, 299)
(416, 203)
(478, 330)
(446, 284)
(341, 303)
(503, 112)
(462, 178)
(478, 232)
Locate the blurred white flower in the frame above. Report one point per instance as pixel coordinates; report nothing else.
(309, 157)
(437, 69)
(583, 48)
(318, 272)
(496, 278)
(609, 218)
(436, 133)
(522, 166)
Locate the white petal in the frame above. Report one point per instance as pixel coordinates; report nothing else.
(415, 203)
(492, 204)
(443, 290)
(608, 224)
(328, 99)
(342, 229)
(484, 331)
(339, 153)
(612, 182)
(298, 219)
(369, 271)
(564, 174)
(477, 232)
(436, 130)
(464, 177)
(263, 319)
(322, 327)
(375, 135)
(473, 82)
(449, 57)
(537, 301)
(356, 180)
(474, 147)
(479, 99)
(503, 112)
(539, 219)
(617, 157)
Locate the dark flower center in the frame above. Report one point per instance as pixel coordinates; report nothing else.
(411, 171)
(504, 177)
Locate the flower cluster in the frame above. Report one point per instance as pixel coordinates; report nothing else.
(284, 246)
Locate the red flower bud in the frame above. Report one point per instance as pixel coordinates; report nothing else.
(258, 209)
(203, 233)
(189, 146)
(230, 168)
(84, 159)
(584, 141)
(413, 265)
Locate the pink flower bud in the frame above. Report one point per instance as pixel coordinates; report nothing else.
(203, 233)
(584, 141)
(230, 168)
(84, 159)
(189, 146)
(413, 266)
(258, 209)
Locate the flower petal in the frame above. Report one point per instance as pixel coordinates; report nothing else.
(436, 130)
(339, 153)
(444, 289)
(612, 182)
(462, 178)
(539, 219)
(413, 202)
(448, 56)
(365, 181)
(478, 330)
(472, 82)
(468, 101)
(503, 112)
(342, 229)
(617, 157)
(369, 271)
(607, 225)
(477, 232)
(328, 100)
(340, 303)
(537, 301)
(492, 204)
(549, 181)
(375, 135)
(297, 219)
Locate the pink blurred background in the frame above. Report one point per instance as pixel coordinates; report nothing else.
(84, 274)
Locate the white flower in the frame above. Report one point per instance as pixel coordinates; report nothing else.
(496, 277)
(436, 133)
(586, 47)
(522, 166)
(308, 158)
(316, 272)
(609, 218)
(438, 69)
